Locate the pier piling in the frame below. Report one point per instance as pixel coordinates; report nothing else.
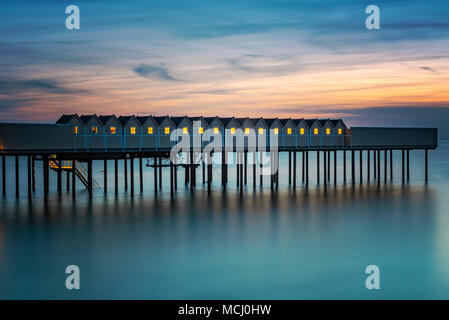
(18, 176)
(105, 175)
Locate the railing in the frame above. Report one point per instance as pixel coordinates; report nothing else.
(163, 142)
(67, 165)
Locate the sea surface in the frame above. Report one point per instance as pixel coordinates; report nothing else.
(306, 243)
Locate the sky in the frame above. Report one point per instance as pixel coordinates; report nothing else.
(271, 58)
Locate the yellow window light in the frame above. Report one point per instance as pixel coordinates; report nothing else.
(232, 130)
(289, 130)
(315, 131)
(328, 131)
(150, 130)
(75, 130)
(167, 130)
(339, 131)
(301, 131)
(200, 130)
(112, 130)
(94, 130)
(132, 130)
(260, 130)
(215, 130)
(246, 130)
(276, 130)
(185, 130)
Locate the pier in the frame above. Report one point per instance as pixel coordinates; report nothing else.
(56, 149)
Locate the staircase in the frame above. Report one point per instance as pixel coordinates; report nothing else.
(66, 165)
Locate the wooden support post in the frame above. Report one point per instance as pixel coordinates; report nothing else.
(237, 157)
(241, 171)
(353, 166)
(426, 167)
(271, 171)
(223, 164)
(361, 166)
(141, 173)
(33, 176)
(403, 165)
(324, 168)
(59, 175)
(125, 171)
(187, 169)
(378, 167)
(29, 186)
(303, 166)
(391, 164)
(318, 167)
(105, 175)
(307, 167)
(45, 174)
(245, 154)
(172, 187)
(74, 178)
(3, 174)
(203, 164)
(344, 165)
(294, 169)
(192, 172)
(335, 166)
(131, 160)
(289, 168)
(385, 166)
(155, 173)
(254, 169)
(17, 177)
(328, 165)
(209, 172)
(408, 165)
(160, 172)
(261, 168)
(67, 181)
(116, 176)
(89, 177)
(277, 169)
(368, 169)
(374, 164)
(176, 176)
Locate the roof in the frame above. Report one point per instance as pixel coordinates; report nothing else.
(124, 119)
(297, 121)
(323, 122)
(241, 121)
(310, 122)
(87, 118)
(209, 120)
(284, 121)
(65, 118)
(177, 120)
(270, 121)
(336, 122)
(143, 119)
(105, 119)
(226, 121)
(161, 119)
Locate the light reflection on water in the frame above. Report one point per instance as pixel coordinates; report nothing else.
(314, 242)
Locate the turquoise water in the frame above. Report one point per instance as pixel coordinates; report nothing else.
(306, 243)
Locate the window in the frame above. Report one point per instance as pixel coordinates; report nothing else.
(167, 130)
(132, 130)
(75, 130)
(185, 130)
(315, 131)
(339, 131)
(94, 130)
(276, 130)
(246, 130)
(289, 130)
(301, 131)
(150, 130)
(328, 131)
(232, 130)
(200, 130)
(215, 130)
(112, 130)
(260, 130)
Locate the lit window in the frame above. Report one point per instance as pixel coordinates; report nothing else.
(75, 130)
(289, 130)
(185, 130)
(328, 131)
(167, 130)
(276, 130)
(339, 131)
(246, 130)
(150, 130)
(232, 130)
(315, 131)
(112, 130)
(94, 130)
(260, 130)
(200, 130)
(301, 131)
(215, 130)
(132, 130)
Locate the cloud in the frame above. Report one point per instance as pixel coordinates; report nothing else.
(13, 86)
(430, 69)
(155, 72)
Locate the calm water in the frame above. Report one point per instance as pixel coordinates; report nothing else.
(314, 242)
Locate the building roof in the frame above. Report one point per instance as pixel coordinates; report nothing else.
(226, 121)
(161, 119)
(124, 119)
(270, 121)
(298, 121)
(310, 122)
(241, 121)
(65, 118)
(87, 118)
(323, 122)
(335, 122)
(285, 121)
(105, 119)
(177, 120)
